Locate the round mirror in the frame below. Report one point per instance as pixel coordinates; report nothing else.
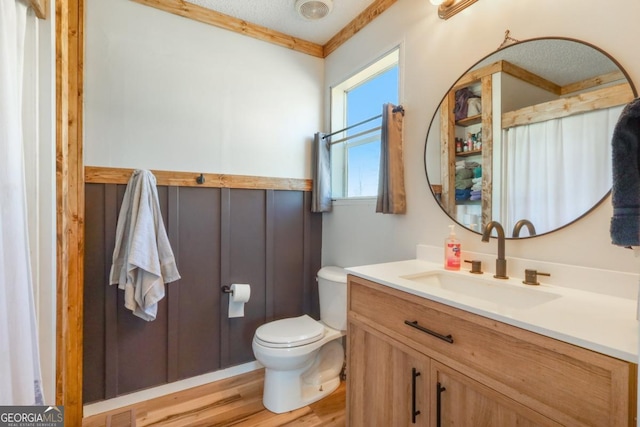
(524, 137)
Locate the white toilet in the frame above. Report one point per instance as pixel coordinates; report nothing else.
(303, 357)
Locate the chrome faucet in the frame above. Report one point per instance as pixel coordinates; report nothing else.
(501, 262)
(520, 224)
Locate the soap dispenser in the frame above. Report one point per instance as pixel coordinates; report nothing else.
(452, 251)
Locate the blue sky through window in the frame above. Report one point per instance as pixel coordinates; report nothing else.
(363, 102)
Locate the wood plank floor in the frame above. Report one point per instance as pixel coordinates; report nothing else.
(235, 401)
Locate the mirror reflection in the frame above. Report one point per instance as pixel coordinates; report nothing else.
(524, 137)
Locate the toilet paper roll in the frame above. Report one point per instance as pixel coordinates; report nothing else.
(240, 294)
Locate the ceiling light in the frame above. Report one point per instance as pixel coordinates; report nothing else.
(314, 9)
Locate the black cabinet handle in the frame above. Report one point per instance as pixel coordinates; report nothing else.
(414, 324)
(414, 413)
(439, 390)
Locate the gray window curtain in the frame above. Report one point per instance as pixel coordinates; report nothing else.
(391, 194)
(321, 190)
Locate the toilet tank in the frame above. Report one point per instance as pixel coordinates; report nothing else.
(332, 287)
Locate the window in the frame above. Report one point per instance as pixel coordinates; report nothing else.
(355, 152)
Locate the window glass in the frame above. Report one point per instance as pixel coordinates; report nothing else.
(356, 160)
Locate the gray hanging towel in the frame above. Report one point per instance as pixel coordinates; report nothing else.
(321, 190)
(625, 191)
(142, 258)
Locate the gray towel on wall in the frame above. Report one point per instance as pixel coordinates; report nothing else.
(142, 258)
(321, 190)
(625, 191)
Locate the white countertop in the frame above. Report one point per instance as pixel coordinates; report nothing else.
(602, 323)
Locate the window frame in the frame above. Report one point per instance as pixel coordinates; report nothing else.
(338, 114)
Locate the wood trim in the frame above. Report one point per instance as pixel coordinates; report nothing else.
(534, 79)
(220, 20)
(593, 82)
(103, 175)
(475, 75)
(511, 69)
(39, 7)
(448, 153)
(69, 207)
(529, 77)
(211, 17)
(600, 98)
(487, 151)
(359, 22)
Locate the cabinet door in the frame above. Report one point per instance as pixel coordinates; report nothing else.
(385, 386)
(460, 401)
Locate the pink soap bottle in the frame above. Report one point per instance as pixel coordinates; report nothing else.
(452, 251)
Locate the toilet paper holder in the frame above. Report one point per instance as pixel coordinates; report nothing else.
(227, 290)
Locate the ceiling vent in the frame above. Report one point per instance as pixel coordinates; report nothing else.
(313, 9)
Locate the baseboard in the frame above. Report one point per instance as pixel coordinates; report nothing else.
(155, 392)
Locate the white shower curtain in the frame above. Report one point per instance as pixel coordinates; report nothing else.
(20, 382)
(556, 170)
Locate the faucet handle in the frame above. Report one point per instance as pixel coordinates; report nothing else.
(476, 266)
(531, 277)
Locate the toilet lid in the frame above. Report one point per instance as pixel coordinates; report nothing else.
(291, 332)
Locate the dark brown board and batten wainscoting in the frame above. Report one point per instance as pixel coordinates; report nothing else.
(220, 234)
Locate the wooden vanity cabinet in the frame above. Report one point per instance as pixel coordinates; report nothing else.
(390, 386)
(492, 373)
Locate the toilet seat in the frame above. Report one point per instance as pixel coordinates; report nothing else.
(291, 332)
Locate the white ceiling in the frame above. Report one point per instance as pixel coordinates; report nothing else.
(280, 15)
(560, 61)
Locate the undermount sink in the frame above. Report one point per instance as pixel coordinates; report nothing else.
(507, 294)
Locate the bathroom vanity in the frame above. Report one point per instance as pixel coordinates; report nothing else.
(435, 348)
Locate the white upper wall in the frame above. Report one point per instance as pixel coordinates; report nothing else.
(434, 54)
(169, 93)
(165, 92)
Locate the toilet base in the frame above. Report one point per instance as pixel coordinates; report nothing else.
(288, 390)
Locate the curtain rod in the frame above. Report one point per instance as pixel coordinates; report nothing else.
(364, 132)
(397, 108)
(352, 126)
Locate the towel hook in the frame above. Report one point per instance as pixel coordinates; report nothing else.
(200, 179)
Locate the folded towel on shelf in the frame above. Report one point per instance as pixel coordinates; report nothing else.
(462, 184)
(625, 191)
(142, 258)
(477, 172)
(463, 194)
(477, 184)
(475, 195)
(464, 173)
(472, 165)
(474, 106)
